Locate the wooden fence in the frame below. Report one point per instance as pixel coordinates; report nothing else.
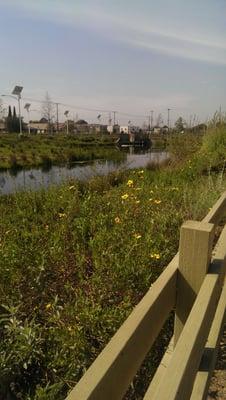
(193, 286)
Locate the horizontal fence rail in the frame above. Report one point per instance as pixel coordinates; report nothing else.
(111, 373)
(185, 370)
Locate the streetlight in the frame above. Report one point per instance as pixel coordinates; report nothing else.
(17, 91)
(66, 115)
(168, 118)
(27, 107)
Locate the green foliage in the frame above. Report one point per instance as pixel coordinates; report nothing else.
(183, 146)
(179, 125)
(214, 146)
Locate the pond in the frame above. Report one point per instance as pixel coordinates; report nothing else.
(35, 178)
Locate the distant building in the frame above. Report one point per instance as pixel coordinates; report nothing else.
(124, 129)
(113, 129)
(2, 126)
(200, 128)
(129, 129)
(165, 129)
(98, 128)
(110, 129)
(157, 130)
(81, 126)
(61, 126)
(41, 126)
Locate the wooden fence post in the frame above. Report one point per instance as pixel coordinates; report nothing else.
(196, 241)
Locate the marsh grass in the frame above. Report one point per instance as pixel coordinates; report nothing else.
(39, 150)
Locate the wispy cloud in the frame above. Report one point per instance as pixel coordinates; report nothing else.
(141, 32)
(172, 43)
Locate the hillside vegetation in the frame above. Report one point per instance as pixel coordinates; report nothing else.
(75, 260)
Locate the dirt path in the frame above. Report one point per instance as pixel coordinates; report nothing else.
(217, 390)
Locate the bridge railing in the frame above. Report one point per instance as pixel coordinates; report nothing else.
(193, 286)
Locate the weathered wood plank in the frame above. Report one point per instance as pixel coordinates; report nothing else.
(160, 371)
(217, 211)
(196, 240)
(113, 370)
(177, 381)
(202, 380)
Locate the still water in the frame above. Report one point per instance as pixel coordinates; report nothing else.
(35, 178)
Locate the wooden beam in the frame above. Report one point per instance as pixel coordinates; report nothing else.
(202, 380)
(113, 370)
(217, 211)
(160, 371)
(196, 239)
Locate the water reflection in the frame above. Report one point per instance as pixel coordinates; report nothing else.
(12, 181)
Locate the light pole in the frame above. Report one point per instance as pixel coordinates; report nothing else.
(152, 118)
(57, 116)
(27, 107)
(17, 91)
(66, 115)
(149, 123)
(168, 110)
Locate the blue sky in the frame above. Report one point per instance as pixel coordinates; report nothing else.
(129, 56)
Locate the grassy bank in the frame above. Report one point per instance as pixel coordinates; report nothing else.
(34, 151)
(74, 260)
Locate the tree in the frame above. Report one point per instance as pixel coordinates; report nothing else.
(48, 110)
(15, 121)
(159, 120)
(9, 121)
(179, 124)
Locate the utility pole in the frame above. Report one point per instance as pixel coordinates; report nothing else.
(149, 123)
(168, 110)
(152, 118)
(57, 115)
(114, 112)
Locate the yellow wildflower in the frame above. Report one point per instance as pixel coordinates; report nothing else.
(130, 183)
(49, 305)
(137, 201)
(156, 256)
(151, 191)
(62, 215)
(125, 196)
(137, 236)
(117, 220)
(141, 171)
(151, 199)
(71, 187)
(157, 201)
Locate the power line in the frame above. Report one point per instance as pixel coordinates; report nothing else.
(86, 108)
